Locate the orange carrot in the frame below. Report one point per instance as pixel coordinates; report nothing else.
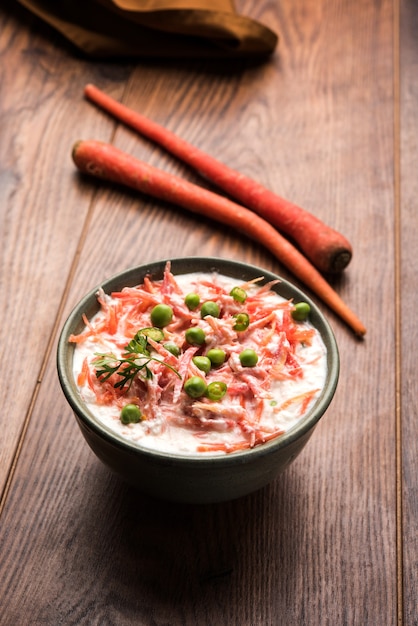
(259, 437)
(107, 162)
(326, 248)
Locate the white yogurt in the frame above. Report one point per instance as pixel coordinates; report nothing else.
(261, 402)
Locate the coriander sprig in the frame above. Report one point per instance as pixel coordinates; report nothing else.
(133, 362)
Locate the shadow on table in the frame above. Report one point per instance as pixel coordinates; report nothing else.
(153, 556)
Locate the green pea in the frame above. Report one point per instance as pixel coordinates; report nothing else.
(130, 414)
(248, 358)
(154, 333)
(161, 315)
(301, 311)
(195, 336)
(216, 356)
(172, 347)
(216, 390)
(242, 321)
(210, 308)
(195, 387)
(239, 294)
(192, 301)
(203, 363)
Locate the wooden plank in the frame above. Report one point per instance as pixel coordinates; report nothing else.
(318, 545)
(407, 273)
(42, 212)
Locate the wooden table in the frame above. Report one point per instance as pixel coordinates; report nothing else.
(330, 122)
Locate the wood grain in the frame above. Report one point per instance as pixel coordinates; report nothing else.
(314, 123)
(407, 269)
(42, 212)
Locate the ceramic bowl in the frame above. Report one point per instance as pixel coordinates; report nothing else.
(193, 479)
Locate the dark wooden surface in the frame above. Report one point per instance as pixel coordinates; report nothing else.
(330, 122)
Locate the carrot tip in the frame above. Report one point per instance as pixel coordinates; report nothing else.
(75, 148)
(340, 260)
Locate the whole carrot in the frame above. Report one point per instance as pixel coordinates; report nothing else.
(107, 162)
(327, 249)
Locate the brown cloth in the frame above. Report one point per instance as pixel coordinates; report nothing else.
(156, 28)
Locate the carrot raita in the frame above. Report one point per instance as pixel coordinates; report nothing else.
(199, 363)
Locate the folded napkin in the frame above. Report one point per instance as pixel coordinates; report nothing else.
(156, 28)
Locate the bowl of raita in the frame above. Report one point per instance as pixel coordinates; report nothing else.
(197, 379)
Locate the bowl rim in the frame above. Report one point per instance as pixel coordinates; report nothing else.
(243, 270)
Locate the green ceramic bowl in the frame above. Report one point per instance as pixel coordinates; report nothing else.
(193, 478)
